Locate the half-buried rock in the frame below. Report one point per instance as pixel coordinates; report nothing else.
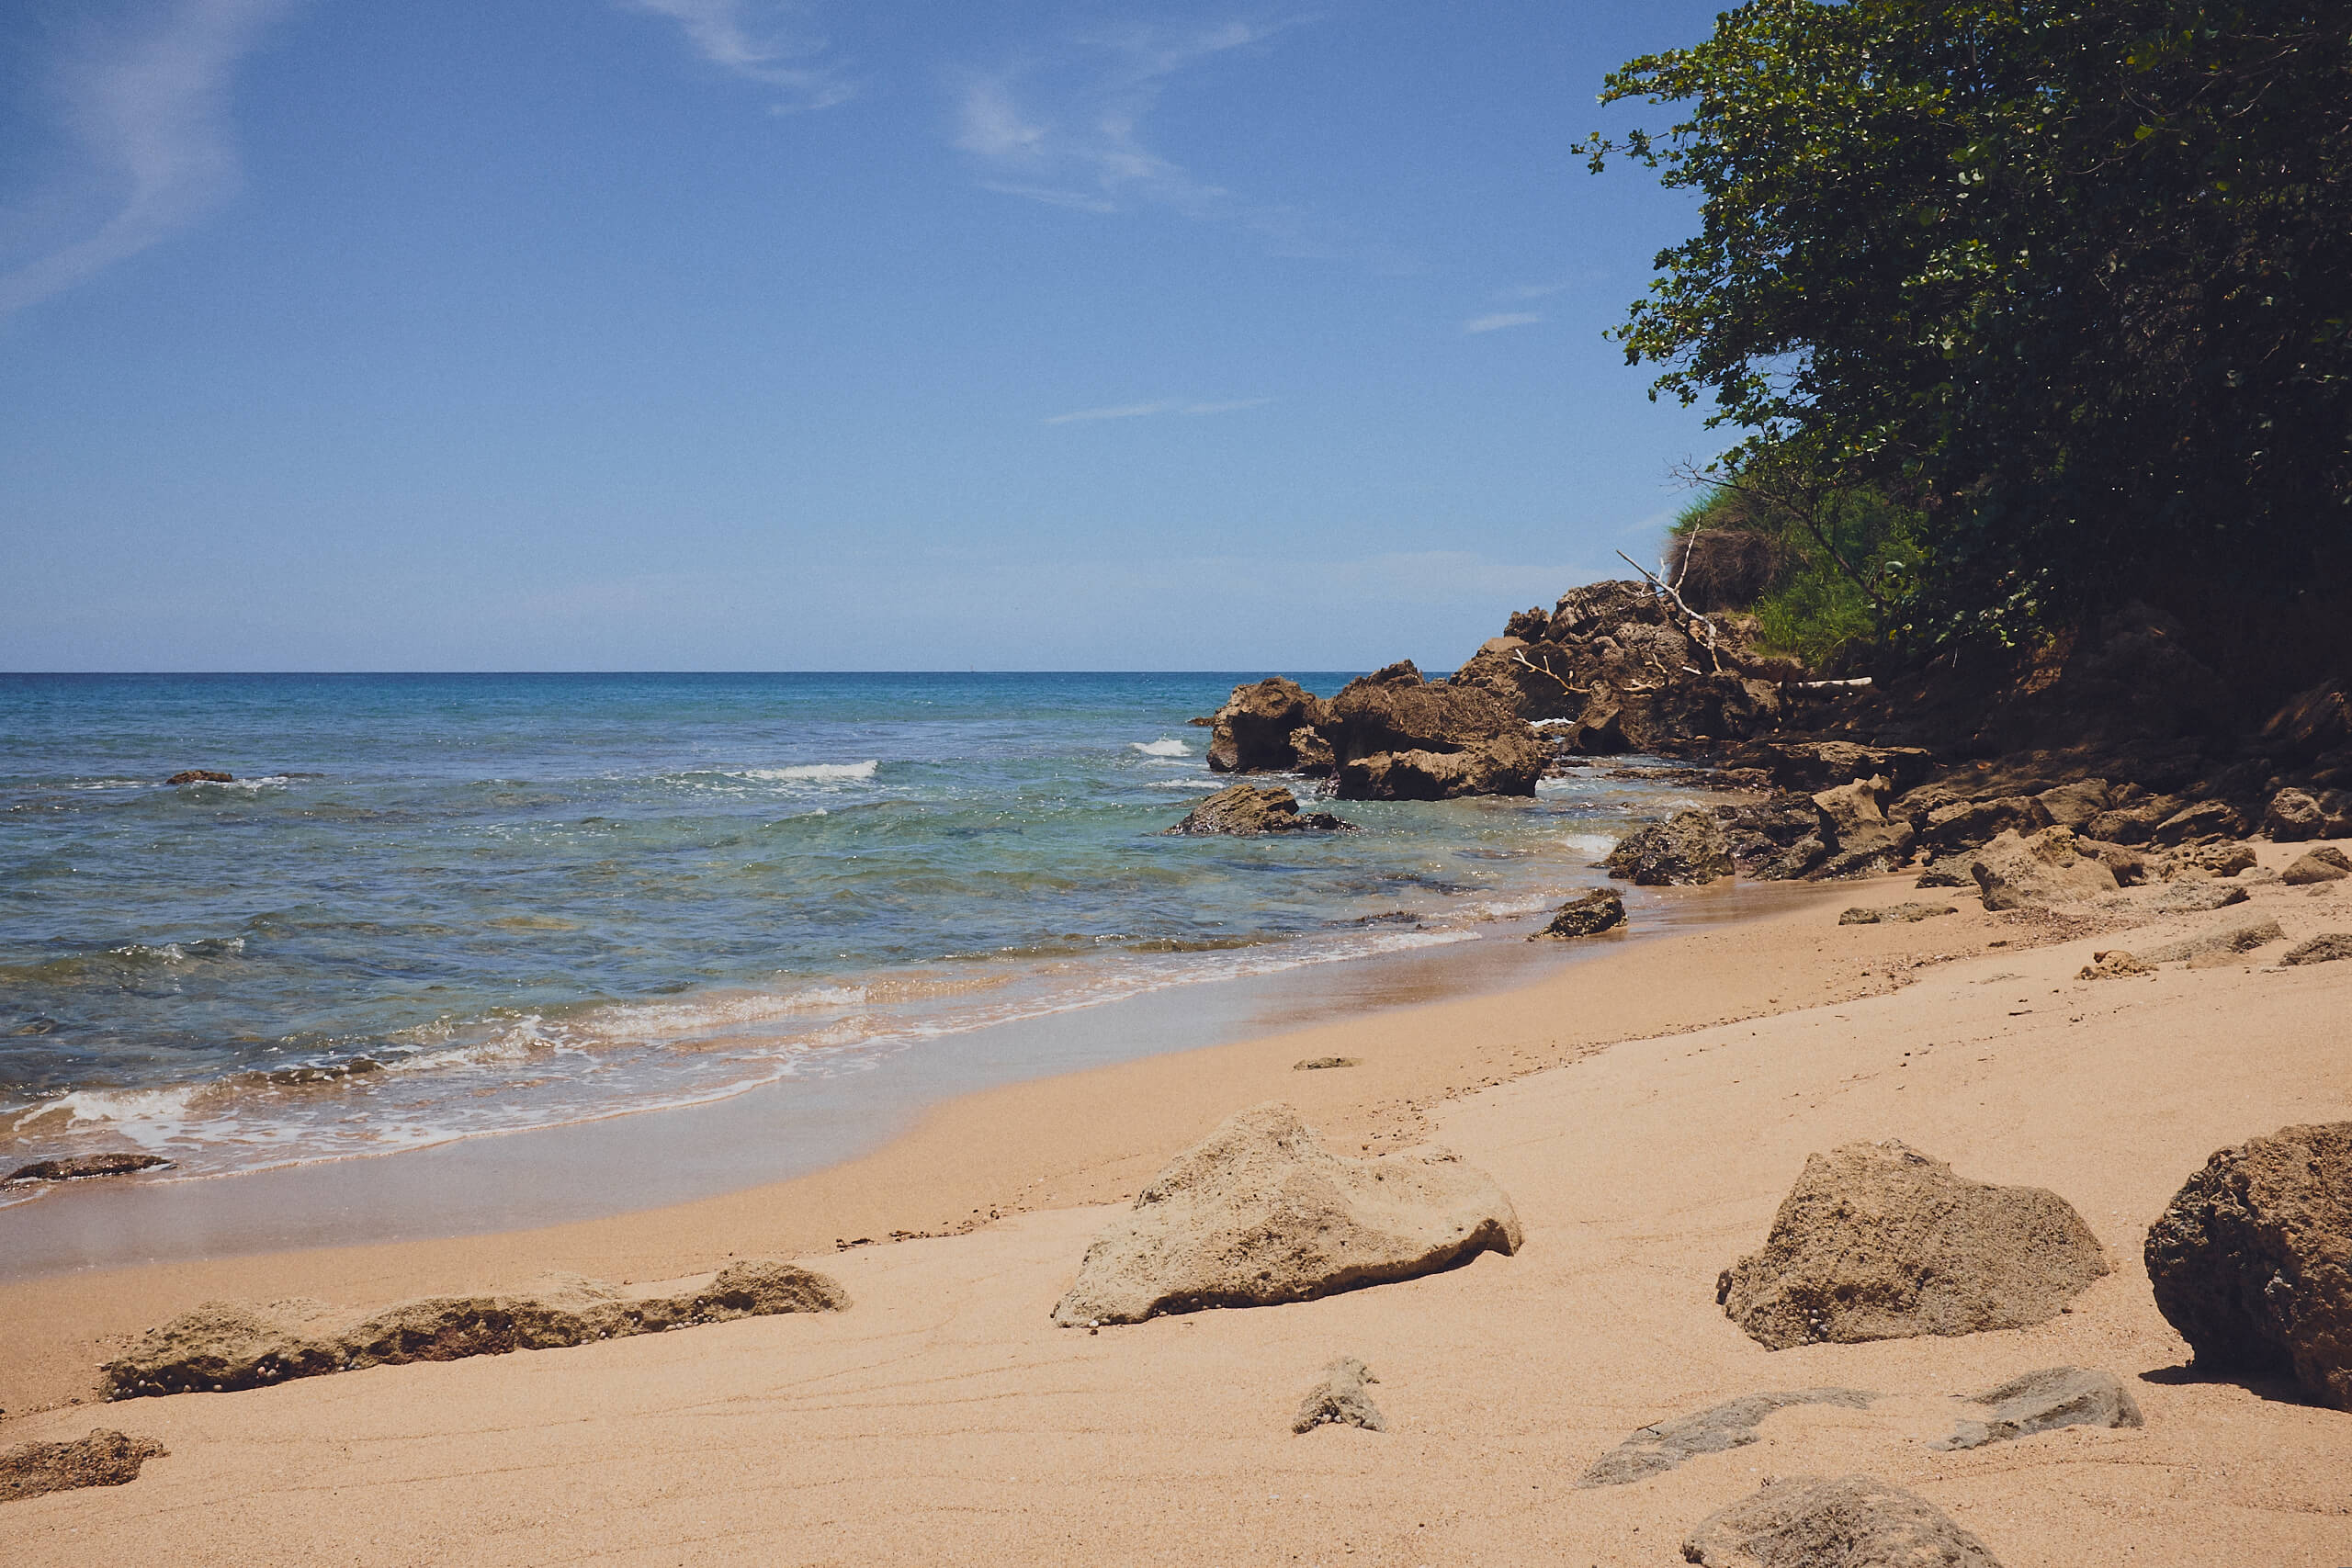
(2252, 1260)
(1664, 1445)
(1877, 1241)
(102, 1458)
(2043, 1402)
(1339, 1400)
(1258, 1213)
(1853, 1521)
(232, 1345)
(1247, 811)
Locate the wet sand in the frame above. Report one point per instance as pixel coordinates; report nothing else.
(1646, 1109)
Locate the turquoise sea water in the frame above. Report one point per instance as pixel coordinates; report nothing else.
(441, 905)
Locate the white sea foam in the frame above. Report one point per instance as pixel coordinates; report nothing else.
(704, 1015)
(813, 772)
(1594, 844)
(139, 1114)
(1184, 784)
(1161, 747)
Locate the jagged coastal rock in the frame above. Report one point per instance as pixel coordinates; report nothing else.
(1688, 847)
(1395, 736)
(1877, 1241)
(2252, 1260)
(1258, 1213)
(1249, 810)
(232, 1345)
(1852, 1521)
(1587, 915)
(1254, 731)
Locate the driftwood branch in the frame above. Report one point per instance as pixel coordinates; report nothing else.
(1525, 663)
(1704, 628)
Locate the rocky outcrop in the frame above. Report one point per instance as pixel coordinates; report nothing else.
(1893, 914)
(2044, 1401)
(200, 775)
(2328, 947)
(1394, 736)
(2252, 1260)
(1688, 847)
(1853, 1521)
(2209, 860)
(1810, 765)
(79, 1168)
(1259, 1212)
(103, 1459)
(2199, 897)
(1337, 1399)
(2226, 943)
(2325, 863)
(222, 1346)
(1588, 915)
(1248, 811)
(1862, 839)
(2013, 872)
(1775, 840)
(1877, 1241)
(1257, 729)
(1664, 1445)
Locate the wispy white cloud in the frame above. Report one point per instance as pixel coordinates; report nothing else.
(1500, 319)
(1069, 129)
(1167, 405)
(146, 108)
(762, 40)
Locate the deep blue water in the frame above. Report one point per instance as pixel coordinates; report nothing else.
(435, 905)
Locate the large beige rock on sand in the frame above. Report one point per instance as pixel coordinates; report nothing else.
(1852, 1521)
(222, 1346)
(1259, 1212)
(2013, 873)
(1877, 1241)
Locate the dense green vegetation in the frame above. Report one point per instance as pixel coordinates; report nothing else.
(2026, 306)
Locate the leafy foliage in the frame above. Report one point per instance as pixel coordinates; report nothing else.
(1829, 602)
(2068, 278)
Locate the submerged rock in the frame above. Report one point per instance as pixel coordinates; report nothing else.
(2252, 1260)
(1259, 1212)
(2044, 1401)
(1588, 915)
(1339, 1400)
(1688, 846)
(1664, 1445)
(1877, 1241)
(105, 1458)
(1853, 1521)
(200, 775)
(225, 1345)
(78, 1168)
(1248, 811)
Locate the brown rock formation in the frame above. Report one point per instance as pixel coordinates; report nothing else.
(1877, 1241)
(1395, 736)
(1587, 915)
(103, 1459)
(1853, 1521)
(1255, 730)
(1251, 810)
(1259, 1212)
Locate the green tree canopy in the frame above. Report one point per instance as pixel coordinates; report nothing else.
(2072, 278)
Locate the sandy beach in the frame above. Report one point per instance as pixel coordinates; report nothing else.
(1644, 1110)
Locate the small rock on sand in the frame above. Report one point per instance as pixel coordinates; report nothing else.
(1895, 914)
(2113, 964)
(2252, 1260)
(2324, 948)
(1259, 1212)
(1852, 1521)
(1664, 1445)
(2222, 943)
(2198, 897)
(2325, 863)
(1598, 910)
(1319, 1064)
(1339, 1400)
(2043, 1400)
(78, 1168)
(2015, 872)
(220, 1346)
(1877, 1241)
(103, 1459)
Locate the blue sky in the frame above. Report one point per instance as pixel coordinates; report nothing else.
(747, 335)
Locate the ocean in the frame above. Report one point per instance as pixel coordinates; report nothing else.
(439, 907)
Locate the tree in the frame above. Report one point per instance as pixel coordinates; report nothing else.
(2069, 279)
